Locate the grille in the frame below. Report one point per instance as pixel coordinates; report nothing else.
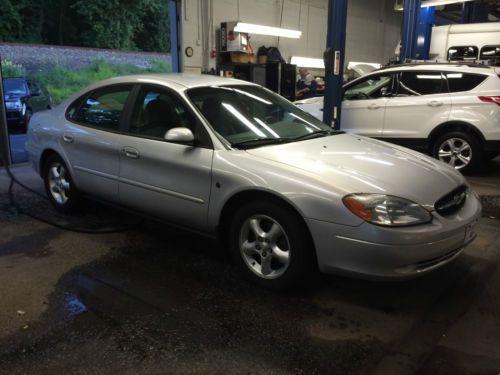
(452, 202)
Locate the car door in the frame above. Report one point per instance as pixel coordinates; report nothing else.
(420, 103)
(36, 100)
(92, 137)
(169, 180)
(363, 105)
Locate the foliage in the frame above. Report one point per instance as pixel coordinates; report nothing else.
(62, 82)
(117, 24)
(9, 69)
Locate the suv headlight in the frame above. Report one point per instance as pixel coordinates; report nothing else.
(16, 105)
(386, 210)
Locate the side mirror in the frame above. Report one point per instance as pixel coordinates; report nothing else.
(179, 135)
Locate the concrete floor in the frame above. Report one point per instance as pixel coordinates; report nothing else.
(156, 300)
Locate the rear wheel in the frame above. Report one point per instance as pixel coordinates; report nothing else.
(460, 150)
(59, 185)
(271, 245)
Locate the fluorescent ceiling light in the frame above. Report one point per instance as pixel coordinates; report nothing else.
(250, 28)
(307, 62)
(432, 3)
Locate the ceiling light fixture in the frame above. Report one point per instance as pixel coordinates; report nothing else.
(307, 62)
(432, 3)
(250, 28)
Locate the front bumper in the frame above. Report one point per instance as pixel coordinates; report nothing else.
(371, 251)
(15, 117)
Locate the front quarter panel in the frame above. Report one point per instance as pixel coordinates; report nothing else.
(238, 171)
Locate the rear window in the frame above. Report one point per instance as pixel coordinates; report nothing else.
(490, 52)
(463, 53)
(463, 81)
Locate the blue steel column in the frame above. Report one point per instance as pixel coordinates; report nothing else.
(335, 40)
(411, 12)
(424, 31)
(174, 36)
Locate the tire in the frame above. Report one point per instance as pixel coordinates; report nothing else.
(281, 255)
(460, 150)
(59, 185)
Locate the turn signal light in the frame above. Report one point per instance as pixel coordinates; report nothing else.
(490, 99)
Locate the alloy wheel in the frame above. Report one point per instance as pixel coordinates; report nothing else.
(264, 246)
(456, 152)
(59, 184)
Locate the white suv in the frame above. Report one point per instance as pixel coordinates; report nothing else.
(451, 111)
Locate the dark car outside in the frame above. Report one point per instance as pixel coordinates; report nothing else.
(23, 97)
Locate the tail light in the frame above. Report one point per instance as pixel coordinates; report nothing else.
(490, 99)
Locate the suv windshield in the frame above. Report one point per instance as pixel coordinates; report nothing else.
(254, 116)
(14, 87)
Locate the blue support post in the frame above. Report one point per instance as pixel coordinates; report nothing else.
(424, 32)
(411, 11)
(334, 66)
(174, 36)
(468, 12)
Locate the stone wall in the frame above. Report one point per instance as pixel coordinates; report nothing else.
(37, 57)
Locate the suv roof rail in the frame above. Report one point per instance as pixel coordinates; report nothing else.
(448, 63)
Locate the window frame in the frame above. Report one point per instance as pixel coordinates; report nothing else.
(99, 91)
(367, 77)
(488, 46)
(444, 85)
(201, 135)
(463, 58)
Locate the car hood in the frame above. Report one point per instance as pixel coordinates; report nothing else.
(354, 164)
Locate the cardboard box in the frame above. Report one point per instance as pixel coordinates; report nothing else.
(231, 40)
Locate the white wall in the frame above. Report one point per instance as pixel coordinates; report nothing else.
(373, 27)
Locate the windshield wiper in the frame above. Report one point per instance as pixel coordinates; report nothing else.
(257, 142)
(317, 134)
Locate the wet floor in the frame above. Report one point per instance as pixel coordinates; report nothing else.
(157, 300)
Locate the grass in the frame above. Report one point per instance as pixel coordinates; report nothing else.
(62, 82)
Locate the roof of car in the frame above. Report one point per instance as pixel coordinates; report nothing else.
(177, 80)
(463, 67)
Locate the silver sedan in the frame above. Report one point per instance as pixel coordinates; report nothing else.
(232, 160)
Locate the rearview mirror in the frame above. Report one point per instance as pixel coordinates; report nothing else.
(180, 135)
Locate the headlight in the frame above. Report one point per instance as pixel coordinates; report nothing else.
(13, 105)
(386, 210)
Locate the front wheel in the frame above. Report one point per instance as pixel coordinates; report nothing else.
(460, 150)
(271, 245)
(59, 185)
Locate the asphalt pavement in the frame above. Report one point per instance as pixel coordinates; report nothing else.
(154, 300)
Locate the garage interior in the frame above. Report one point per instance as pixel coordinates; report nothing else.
(111, 291)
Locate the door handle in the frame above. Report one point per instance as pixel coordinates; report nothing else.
(68, 138)
(373, 106)
(130, 152)
(435, 103)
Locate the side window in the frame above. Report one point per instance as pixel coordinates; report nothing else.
(103, 108)
(460, 53)
(158, 111)
(33, 88)
(372, 87)
(462, 81)
(420, 83)
(489, 52)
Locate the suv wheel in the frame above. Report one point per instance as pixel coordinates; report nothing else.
(59, 185)
(460, 150)
(271, 245)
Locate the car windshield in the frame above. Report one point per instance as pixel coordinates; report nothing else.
(14, 87)
(367, 88)
(254, 116)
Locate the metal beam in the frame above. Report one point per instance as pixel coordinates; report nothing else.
(334, 61)
(424, 32)
(411, 10)
(175, 36)
(4, 132)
